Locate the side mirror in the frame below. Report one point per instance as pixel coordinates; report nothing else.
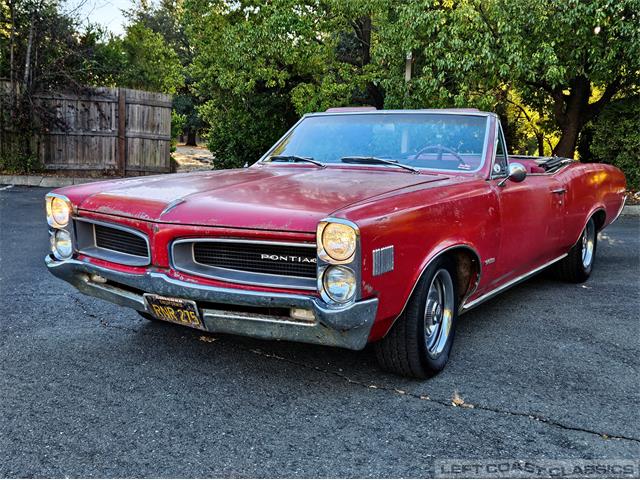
(517, 173)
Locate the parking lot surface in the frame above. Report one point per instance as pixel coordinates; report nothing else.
(546, 371)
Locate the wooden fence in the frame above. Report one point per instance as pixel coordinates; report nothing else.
(104, 130)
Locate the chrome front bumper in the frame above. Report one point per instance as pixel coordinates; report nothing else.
(346, 327)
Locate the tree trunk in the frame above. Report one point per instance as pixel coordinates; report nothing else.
(12, 68)
(540, 140)
(566, 146)
(363, 33)
(191, 138)
(571, 113)
(27, 60)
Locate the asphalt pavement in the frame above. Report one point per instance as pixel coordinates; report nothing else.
(87, 389)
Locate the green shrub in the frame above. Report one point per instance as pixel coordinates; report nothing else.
(20, 164)
(616, 138)
(177, 126)
(242, 129)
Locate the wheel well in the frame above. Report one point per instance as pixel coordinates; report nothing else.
(467, 270)
(599, 218)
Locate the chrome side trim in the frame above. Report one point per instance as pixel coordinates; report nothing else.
(383, 260)
(182, 259)
(86, 243)
(468, 306)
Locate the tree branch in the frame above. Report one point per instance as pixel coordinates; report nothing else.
(559, 103)
(485, 19)
(540, 84)
(594, 109)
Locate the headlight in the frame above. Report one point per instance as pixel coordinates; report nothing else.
(61, 245)
(339, 283)
(58, 211)
(338, 241)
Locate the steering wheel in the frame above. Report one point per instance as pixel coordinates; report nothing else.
(441, 149)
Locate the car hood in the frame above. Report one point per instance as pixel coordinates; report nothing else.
(290, 198)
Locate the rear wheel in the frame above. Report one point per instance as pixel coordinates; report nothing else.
(419, 343)
(576, 267)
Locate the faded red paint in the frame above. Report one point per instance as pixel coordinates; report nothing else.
(513, 229)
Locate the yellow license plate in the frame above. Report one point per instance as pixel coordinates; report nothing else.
(174, 310)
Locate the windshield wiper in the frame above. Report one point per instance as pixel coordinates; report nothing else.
(296, 158)
(377, 161)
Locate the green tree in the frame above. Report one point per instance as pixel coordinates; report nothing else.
(260, 65)
(555, 54)
(167, 18)
(616, 138)
(249, 59)
(148, 62)
(41, 49)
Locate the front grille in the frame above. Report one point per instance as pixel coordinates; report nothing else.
(120, 241)
(266, 258)
(269, 264)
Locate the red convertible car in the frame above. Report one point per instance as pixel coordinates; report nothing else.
(355, 227)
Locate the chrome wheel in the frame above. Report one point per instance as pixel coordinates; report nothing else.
(588, 243)
(438, 312)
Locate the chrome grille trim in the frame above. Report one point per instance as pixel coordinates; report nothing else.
(88, 244)
(183, 259)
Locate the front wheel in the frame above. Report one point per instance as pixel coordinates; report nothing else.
(419, 343)
(576, 267)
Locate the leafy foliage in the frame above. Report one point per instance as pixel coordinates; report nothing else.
(555, 54)
(147, 62)
(20, 164)
(247, 63)
(247, 69)
(241, 131)
(616, 138)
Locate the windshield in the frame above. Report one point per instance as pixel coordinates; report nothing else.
(420, 140)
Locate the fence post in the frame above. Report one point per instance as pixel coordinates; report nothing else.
(122, 132)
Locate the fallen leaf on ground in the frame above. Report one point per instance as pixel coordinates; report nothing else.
(457, 400)
(207, 338)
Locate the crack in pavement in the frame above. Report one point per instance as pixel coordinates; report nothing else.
(456, 402)
(445, 403)
(100, 318)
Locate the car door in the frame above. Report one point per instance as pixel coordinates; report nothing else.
(530, 218)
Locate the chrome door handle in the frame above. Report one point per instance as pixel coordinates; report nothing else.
(559, 191)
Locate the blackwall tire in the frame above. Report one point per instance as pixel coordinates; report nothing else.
(419, 343)
(577, 266)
